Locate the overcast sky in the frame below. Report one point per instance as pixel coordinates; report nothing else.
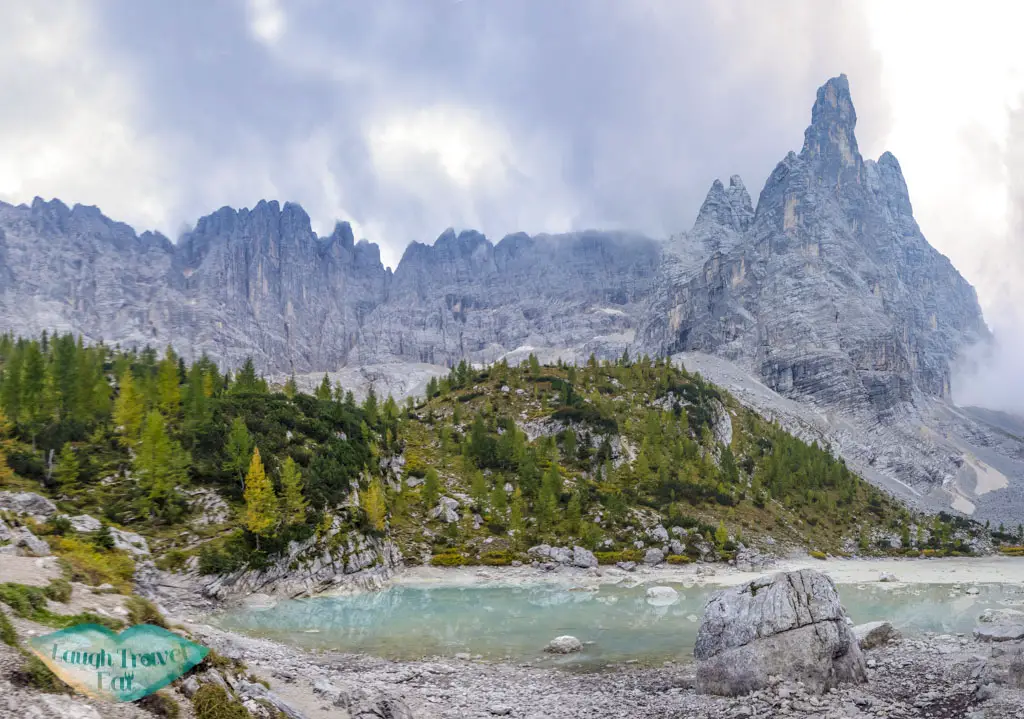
(502, 115)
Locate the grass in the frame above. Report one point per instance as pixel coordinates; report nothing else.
(161, 705)
(212, 702)
(34, 673)
(143, 611)
(30, 603)
(85, 563)
(626, 555)
(7, 634)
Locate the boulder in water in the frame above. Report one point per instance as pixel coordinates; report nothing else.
(790, 625)
(564, 645)
(662, 596)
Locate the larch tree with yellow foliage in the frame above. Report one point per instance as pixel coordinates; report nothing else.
(375, 505)
(261, 510)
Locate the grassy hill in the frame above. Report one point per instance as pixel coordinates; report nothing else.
(491, 462)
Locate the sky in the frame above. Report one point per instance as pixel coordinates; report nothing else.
(405, 118)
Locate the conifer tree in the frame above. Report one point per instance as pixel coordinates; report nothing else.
(375, 506)
(431, 489)
(499, 500)
(478, 490)
(370, 407)
(721, 534)
(66, 471)
(260, 502)
(128, 409)
(162, 466)
(293, 503)
(290, 387)
(168, 385)
(517, 523)
(239, 449)
(323, 392)
(247, 380)
(10, 391)
(103, 539)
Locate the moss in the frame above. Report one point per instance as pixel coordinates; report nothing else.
(819, 555)
(212, 702)
(449, 559)
(678, 559)
(143, 611)
(161, 705)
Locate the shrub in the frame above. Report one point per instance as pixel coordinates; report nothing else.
(626, 555)
(59, 526)
(212, 702)
(173, 561)
(143, 611)
(449, 559)
(94, 567)
(678, 559)
(497, 559)
(161, 705)
(7, 634)
(819, 555)
(59, 590)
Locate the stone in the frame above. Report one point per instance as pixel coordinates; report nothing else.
(887, 577)
(1002, 616)
(654, 556)
(565, 644)
(84, 523)
(626, 566)
(658, 534)
(875, 634)
(499, 710)
(561, 555)
(662, 596)
(999, 633)
(445, 510)
(30, 544)
(28, 503)
(583, 558)
(790, 625)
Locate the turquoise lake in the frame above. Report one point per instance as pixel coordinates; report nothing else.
(616, 623)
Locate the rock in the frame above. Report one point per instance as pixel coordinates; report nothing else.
(999, 633)
(583, 558)
(542, 551)
(985, 692)
(790, 625)
(971, 590)
(875, 634)
(565, 644)
(887, 577)
(654, 556)
(658, 534)
(662, 596)
(1015, 672)
(626, 566)
(1002, 616)
(30, 544)
(84, 523)
(445, 510)
(189, 687)
(560, 555)
(676, 547)
(29, 503)
(208, 506)
(499, 710)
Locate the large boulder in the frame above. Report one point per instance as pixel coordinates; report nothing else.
(583, 558)
(20, 541)
(999, 633)
(790, 625)
(29, 503)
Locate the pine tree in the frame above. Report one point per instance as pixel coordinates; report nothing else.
(67, 471)
(499, 500)
(569, 446)
(574, 513)
(478, 491)
(375, 506)
(128, 409)
(431, 489)
(370, 407)
(323, 392)
(161, 465)
(260, 502)
(168, 385)
(516, 523)
(293, 503)
(33, 385)
(10, 391)
(290, 387)
(103, 539)
(239, 448)
(247, 380)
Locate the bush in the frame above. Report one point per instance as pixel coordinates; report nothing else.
(819, 555)
(94, 567)
(7, 634)
(678, 559)
(143, 611)
(173, 561)
(161, 705)
(59, 526)
(59, 590)
(449, 559)
(497, 559)
(212, 702)
(626, 555)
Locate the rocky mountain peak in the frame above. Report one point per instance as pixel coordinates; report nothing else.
(829, 140)
(729, 207)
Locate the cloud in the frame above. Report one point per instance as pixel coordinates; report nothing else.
(266, 20)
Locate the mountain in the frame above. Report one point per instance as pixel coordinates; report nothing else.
(825, 293)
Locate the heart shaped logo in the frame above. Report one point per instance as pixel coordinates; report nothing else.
(122, 667)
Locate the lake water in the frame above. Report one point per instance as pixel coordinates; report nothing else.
(515, 623)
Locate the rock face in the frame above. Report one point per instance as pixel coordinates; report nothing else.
(791, 625)
(828, 291)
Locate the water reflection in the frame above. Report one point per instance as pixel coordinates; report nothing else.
(517, 622)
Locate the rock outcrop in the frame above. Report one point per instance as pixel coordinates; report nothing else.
(791, 625)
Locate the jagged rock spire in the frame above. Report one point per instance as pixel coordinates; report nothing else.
(730, 207)
(829, 140)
